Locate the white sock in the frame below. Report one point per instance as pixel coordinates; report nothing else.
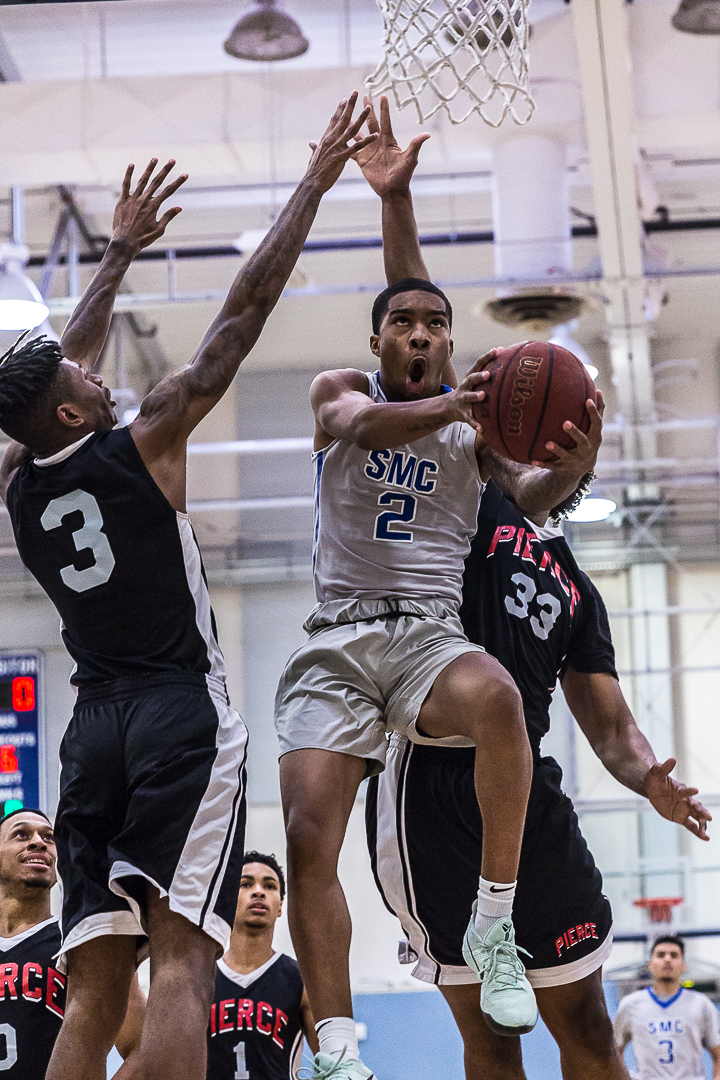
(336, 1034)
(495, 901)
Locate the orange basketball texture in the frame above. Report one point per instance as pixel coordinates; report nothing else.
(534, 388)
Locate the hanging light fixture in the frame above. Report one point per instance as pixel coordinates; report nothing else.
(698, 17)
(266, 33)
(21, 305)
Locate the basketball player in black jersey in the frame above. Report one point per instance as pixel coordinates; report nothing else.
(32, 990)
(528, 603)
(151, 815)
(530, 606)
(260, 1011)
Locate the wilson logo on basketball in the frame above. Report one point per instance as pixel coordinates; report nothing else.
(522, 390)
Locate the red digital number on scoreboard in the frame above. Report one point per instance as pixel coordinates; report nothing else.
(23, 693)
(8, 759)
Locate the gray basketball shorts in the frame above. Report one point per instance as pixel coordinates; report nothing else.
(366, 668)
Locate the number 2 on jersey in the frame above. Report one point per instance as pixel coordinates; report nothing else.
(89, 536)
(241, 1072)
(384, 522)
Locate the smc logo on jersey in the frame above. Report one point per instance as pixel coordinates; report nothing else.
(237, 1014)
(398, 469)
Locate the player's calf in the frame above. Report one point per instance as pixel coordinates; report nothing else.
(486, 1054)
(576, 1016)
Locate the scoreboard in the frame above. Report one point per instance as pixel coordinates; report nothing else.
(20, 687)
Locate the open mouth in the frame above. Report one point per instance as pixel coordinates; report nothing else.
(415, 380)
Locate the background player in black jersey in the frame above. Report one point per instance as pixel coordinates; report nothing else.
(528, 603)
(32, 991)
(260, 1011)
(151, 815)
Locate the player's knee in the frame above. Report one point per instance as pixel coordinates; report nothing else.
(498, 705)
(307, 839)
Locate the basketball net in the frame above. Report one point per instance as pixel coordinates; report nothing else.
(462, 56)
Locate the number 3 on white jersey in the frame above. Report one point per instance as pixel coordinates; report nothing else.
(88, 536)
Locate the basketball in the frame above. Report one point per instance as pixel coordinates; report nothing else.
(534, 388)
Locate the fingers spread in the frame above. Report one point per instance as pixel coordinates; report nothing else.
(145, 177)
(158, 179)
(171, 188)
(372, 120)
(385, 121)
(361, 144)
(357, 124)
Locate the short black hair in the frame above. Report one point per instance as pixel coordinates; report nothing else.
(669, 939)
(411, 284)
(267, 860)
(24, 810)
(27, 376)
(566, 507)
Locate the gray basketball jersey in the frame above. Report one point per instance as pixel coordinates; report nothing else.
(395, 523)
(668, 1035)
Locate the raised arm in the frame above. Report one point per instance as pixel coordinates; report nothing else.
(389, 170)
(177, 404)
(597, 703)
(135, 226)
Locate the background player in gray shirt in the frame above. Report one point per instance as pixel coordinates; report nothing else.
(667, 1023)
(399, 467)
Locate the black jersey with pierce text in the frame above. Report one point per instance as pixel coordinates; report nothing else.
(255, 1030)
(32, 1001)
(519, 576)
(121, 566)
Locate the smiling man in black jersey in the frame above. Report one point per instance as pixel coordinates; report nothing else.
(32, 990)
(260, 1010)
(151, 816)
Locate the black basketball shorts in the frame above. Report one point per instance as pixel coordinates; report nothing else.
(425, 838)
(152, 789)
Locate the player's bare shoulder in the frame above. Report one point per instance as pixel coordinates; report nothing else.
(326, 390)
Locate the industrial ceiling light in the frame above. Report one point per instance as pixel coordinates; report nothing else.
(562, 337)
(591, 509)
(698, 17)
(266, 33)
(21, 305)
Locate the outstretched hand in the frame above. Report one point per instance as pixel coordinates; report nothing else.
(332, 152)
(675, 801)
(136, 214)
(579, 459)
(386, 167)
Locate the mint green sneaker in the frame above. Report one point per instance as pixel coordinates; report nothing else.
(507, 1000)
(327, 1067)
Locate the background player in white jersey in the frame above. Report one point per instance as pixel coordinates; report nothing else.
(667, 1023)
(260, 1010)
(151, 815)
(32, 991)
(399, 468)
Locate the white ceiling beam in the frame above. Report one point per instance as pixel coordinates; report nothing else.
(601, 32)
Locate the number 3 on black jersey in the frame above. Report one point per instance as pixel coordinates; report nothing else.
(89, 536)
(549, 607)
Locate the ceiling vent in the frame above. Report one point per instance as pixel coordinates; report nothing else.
(266, 33)
(535, 310)
(698, 17)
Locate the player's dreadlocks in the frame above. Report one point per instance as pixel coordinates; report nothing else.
(27, 376)
(267, 860)
(566, 507)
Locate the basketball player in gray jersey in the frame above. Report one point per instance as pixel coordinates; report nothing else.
(399, 469)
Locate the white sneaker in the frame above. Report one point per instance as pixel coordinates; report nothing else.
(328, 1067)
(507, 1000)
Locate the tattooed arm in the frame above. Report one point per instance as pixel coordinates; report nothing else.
(176, 405)
(135, 226)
